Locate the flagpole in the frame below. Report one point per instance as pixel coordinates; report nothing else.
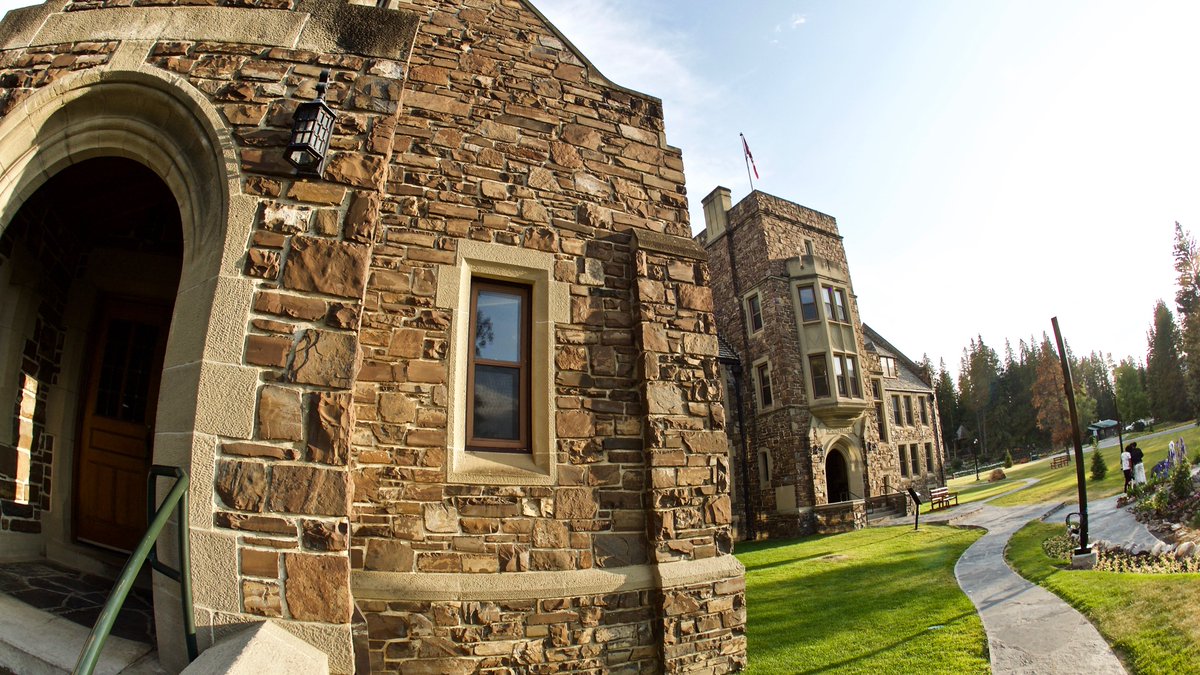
(745, 157)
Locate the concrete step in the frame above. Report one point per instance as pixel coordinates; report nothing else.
(34, 642)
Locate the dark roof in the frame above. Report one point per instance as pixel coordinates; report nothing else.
(1103, 424)
(907, 371)
(726, 352)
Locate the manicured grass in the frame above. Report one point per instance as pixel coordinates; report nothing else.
(881, 600)
(1152, 620)
(1059, 485)
(973, 492)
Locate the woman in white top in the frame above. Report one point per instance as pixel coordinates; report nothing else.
(1127, 466)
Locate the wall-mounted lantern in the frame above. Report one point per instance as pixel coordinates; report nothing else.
(312, 127)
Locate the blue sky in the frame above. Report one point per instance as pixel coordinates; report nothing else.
(990, 163)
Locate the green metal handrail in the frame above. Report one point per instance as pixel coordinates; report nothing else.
(147, 551)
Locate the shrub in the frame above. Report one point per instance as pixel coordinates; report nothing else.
(996, 475)
(1182, 486)
(1008, 462)
(1099, 467)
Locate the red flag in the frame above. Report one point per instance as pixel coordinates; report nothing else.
(749, 157)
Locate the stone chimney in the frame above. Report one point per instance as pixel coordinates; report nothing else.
(716, 213)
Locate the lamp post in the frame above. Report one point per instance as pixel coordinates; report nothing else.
(975, 451)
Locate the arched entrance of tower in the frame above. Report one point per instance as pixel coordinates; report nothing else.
(837, 479)
(93, 264)
(122, 316)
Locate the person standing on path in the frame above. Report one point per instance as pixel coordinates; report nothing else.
(1139, 469)
(1127, 465)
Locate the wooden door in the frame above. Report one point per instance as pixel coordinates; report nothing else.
(116, 429)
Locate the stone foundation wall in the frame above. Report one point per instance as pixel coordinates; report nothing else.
(840, 517)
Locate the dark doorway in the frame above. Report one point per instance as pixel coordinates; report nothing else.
(836, 479)
(104, 243)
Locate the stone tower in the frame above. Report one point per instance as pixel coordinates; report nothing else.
(815, 415)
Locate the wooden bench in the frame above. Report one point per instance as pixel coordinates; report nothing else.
(939, 498)
(1060, 461)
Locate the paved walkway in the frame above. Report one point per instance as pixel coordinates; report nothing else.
(1114, 525)
(1029, 629)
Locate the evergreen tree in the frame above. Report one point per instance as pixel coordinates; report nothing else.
(1187, 302)
(1099, 466)
(1132, 401)
(1164, 369)
(948, 406)
(1093, 374)
(976, 385)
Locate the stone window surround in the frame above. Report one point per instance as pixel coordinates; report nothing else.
(754, 370)
(550, 305)
(764, 467)
(746, 300)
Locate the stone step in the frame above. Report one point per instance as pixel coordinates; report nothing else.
(34, 642)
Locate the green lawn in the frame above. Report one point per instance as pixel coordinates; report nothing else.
(1059, 485)
(882, 600)
(1152, 620)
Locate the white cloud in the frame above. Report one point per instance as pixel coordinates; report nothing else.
(798, 20)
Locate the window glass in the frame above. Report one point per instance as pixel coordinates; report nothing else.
(827, 292)
(929, 457)
(764, 385)
(497, 320)
(820, 375)
(808, 304)
(924, 412)
(498, 392)
(852, 377)
(889, 366)
(882, 421)
(754, 313)
(839, 298)
(896, 409)
(840, 374)
(916, 464)
(877, 389)
(903, 462)
(908, 413)
(764, 467)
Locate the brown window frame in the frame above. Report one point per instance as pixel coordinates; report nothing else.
(754, 315)
(522, 444)
(762, 375)
(808, 310)
(819, 375)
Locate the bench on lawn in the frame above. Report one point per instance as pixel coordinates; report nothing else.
(939, 498)
(1060, 461)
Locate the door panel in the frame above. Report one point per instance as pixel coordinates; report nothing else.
(116, 421)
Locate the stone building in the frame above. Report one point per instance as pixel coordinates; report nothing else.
(809, 436)
(451, 406)
(907, 410)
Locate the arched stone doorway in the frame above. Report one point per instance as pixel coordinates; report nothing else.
(837, 478)
(99, 248)
(162, 125)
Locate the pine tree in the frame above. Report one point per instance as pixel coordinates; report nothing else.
(1187, 302)
(1099, 467)
(1164, 369)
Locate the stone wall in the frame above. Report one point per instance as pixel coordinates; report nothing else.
(494, 139)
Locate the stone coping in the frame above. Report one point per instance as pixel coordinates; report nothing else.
(423, 586)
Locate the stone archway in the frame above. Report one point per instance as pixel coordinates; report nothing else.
(164, 125)
(837, 478)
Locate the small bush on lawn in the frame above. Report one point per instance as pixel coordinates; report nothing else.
(1099, 467)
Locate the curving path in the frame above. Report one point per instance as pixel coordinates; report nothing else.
(1029, 629)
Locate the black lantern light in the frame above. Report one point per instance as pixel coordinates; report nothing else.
(312, 127)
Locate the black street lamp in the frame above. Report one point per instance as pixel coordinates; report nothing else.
(312, 127)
